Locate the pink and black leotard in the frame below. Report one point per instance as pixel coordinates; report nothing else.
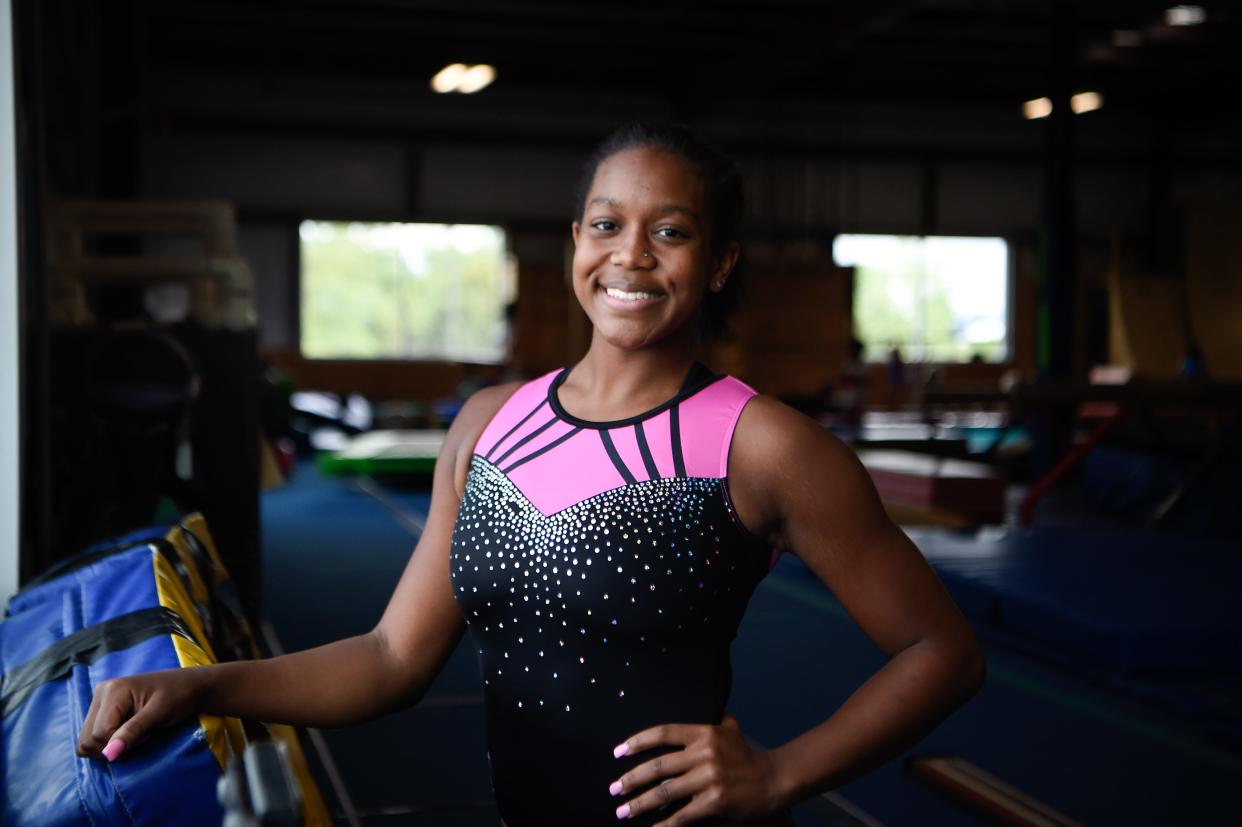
(603, 573)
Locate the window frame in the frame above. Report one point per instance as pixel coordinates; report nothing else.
(1011, 247)
(297, 278)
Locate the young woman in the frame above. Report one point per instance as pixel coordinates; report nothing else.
(600, 530)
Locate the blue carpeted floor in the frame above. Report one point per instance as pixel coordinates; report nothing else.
(333, 554)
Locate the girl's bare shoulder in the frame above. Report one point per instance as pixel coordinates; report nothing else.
(770, 432)
(791, 469)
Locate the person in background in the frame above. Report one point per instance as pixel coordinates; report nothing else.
(896, 377)
(852, 389)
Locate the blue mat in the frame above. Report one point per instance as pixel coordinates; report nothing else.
(1117, 601)
(1076, 746)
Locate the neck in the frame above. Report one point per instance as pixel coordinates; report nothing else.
(613, 378)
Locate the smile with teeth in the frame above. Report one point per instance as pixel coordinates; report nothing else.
(629, 297)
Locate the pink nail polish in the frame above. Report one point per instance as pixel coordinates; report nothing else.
(615, 788)
(623, 749)
(623, 811)
(113, 749)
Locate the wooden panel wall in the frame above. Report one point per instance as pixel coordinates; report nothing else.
(794, 325)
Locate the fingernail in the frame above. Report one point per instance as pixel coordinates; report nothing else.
(622, 749)
(114, 748)
(616, 787)
(623, 811)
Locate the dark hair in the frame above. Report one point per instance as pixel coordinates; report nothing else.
(725, 199)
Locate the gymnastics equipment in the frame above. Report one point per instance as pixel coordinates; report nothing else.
(1114, 403)
(386, 452)
(157, 598)
(984, 793)
(937, 490)
(102, 258)
(191, 551)
(135, 393)
(258, 789)
(122, 615)
(219, 280)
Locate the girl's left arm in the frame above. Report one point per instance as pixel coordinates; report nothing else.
(794, 480)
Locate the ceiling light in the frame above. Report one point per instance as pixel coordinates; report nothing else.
(475, 78)
(1127, 39)
(446, 79)
(458, 77)
(1184, 15)
(1085, 102)
(1038, 108)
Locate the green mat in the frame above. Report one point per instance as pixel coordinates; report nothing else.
(385, 452)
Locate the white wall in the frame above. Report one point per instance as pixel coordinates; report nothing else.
(10, 494)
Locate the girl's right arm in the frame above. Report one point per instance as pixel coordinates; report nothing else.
(340, 683)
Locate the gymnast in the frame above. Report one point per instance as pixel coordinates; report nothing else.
(600, 530)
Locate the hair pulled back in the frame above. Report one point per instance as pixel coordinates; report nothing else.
(723, 193)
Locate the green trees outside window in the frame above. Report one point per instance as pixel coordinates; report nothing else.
(937, 298)
(403, 291)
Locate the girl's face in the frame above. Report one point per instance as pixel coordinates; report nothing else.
(642, 255)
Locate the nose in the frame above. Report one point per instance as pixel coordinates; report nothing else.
(631, 251)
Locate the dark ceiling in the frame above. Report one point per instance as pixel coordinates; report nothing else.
(700, 53)
(940, 75)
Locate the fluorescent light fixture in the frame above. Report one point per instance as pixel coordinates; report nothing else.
(1080, 103)
(446, 79)
(476, 78)
(1127, 39)
(1185, 15)
(1086, 102)
(1038, 108)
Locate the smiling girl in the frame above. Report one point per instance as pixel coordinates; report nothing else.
(600, 531)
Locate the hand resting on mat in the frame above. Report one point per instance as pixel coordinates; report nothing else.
(124, 710)
(340, 683)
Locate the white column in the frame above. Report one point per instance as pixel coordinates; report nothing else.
(10, 364)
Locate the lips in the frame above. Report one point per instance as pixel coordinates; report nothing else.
(629, 297)
(630, 287)
(629, 300)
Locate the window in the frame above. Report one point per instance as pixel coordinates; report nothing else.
(937, 298)
(404, 291)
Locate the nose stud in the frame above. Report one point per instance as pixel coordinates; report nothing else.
(646, 254)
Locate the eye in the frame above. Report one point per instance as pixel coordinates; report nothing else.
(604, 225)
(671, 232)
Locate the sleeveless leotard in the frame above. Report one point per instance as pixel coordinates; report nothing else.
(603, 573)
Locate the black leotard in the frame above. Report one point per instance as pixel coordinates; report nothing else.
(603, 573)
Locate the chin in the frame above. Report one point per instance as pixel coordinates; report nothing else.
(628, 338)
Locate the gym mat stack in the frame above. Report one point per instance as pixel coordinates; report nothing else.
(154, 599)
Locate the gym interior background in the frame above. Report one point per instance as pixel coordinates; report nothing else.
(1066, 456)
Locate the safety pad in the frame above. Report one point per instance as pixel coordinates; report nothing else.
(206, 594)
(125, 614)
(190, 550)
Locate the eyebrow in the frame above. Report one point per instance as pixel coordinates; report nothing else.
(663, 209)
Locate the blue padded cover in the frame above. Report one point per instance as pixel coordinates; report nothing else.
(188, 549)
(50, 589)
(168, 779)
